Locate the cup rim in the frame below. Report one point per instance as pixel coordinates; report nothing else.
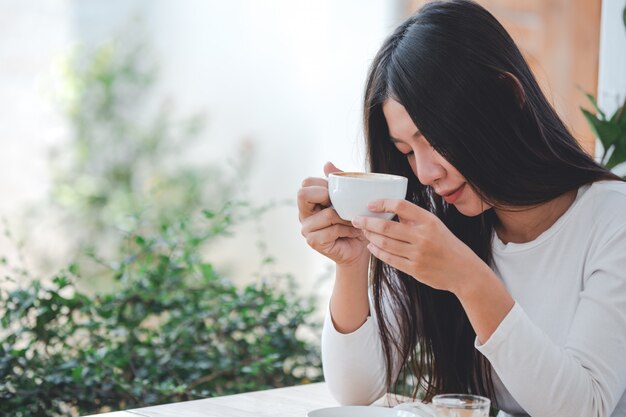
(368, 176)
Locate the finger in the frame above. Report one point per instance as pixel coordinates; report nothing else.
(403, 208)
(323, 219)
(322, 182)
(392, 246)
(395, 261)
(311, 200)
(325, 237)
(388, 228)
(329, 168)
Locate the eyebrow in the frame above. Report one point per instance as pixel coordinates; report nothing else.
(416, 135)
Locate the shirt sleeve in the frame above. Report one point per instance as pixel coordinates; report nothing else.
(586, 376)
(354, 363)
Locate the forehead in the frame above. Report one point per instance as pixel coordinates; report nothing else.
(399, 122)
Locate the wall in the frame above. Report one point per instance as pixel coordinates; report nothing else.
(612, 71)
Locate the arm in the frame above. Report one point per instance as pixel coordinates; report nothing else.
(352, 354)
(349, 305)
(423, 247)
(353, 363)
(586, 377)
(484, 298)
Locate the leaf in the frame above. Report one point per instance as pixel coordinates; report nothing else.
(73, 269)
(605, 131)
(618, 123)
(61, 281)
(207, 270)
(619, 117)
(593, 101)
(619, 149)
(77, 373)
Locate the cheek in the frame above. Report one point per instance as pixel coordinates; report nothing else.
(413, 165)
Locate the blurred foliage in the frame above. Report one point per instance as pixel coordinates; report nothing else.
(139, 219)
(175, 330)
(127, 160)
(610, 131)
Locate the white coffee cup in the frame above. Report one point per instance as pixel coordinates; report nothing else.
(351, 192)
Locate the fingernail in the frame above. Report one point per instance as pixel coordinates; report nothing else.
(357, 221)
(373, 205)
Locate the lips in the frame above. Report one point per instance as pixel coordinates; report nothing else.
(454, 195)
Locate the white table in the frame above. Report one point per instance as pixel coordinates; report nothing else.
(293, 401)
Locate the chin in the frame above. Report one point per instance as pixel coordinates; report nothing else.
(472, 211)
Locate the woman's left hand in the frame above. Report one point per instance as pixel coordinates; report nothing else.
(419, 245)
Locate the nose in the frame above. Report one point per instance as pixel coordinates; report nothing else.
(426, 167)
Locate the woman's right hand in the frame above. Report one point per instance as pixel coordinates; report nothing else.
(322, 227)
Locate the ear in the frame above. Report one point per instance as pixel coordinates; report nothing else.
(514, 83)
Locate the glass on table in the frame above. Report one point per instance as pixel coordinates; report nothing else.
(461, 405)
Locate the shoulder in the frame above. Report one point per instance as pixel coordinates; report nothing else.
(609, 187)
(605, 200)
(602, 214)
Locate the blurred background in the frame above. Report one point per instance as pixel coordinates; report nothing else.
(274, 89)
(280, 81)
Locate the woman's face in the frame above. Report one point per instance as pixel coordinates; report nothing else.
(427, 164)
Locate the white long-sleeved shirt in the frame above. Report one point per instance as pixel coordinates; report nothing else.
(561, 350)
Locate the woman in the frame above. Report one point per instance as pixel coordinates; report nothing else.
(504, 272)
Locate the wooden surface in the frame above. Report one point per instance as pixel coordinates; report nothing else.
(560, 39)
(294, 401)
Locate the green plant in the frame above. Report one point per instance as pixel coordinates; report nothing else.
(610, 131)
(173, 330)
(140, 220)
(129, 157)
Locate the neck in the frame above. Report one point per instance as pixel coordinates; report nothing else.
(520, 225)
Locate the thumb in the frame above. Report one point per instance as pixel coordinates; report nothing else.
(329, 168)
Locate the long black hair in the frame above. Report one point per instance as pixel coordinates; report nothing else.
(470, 92)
